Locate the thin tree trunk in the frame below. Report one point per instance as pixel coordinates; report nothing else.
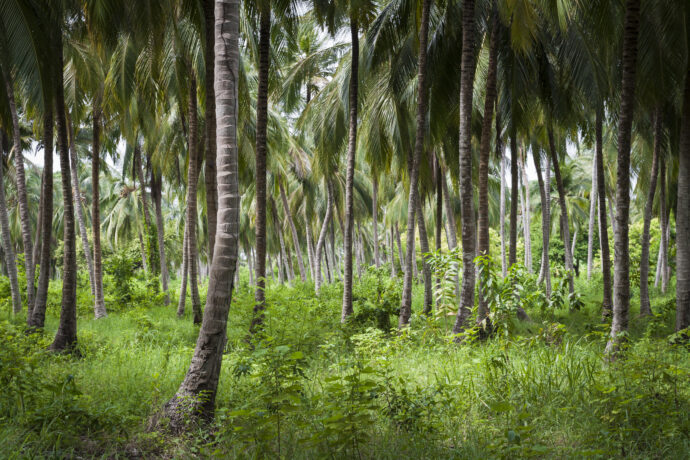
(210, 126)
(250, 264)
(66, 336)
(38, 313)
(394, 271)
(621, 273)
(451, 231)
(22, 200)
(426, 269)
(683, 217)
(439, 214)
(76, 194)
(138, 166)
(645, 307)
(514, 187)
(293, 230)
(310, 246)
(156, 191)
(142, 249)
(279, 231)
(526, 218)
(99, 302)
(37, 237)
(607, 304)
(502, 205)
(414, 202)
(335, 266)
(357, 243)
(403, 267)
(545, 223)
(468, 66)
(185, 272)
(664, 218)
(192, 184)
(375, 218)
(322, 237)
(592, 218)
(196, 395)
(7, 248)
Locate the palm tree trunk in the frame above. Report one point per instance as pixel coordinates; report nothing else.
(514, 187)
(279, 230)
(683, 217)
(439, 213)
(99, 302)
(424, 247)
(76, 194)
(196, 395)
(451, 231)
(375, 218)
(293, 230)
(7, 242)
(310, 246)
(322, 237)
(66, 336)
(260, 181)
(192, 184)
(210, 125)
(142, 194)
(607, 304)
(394, 271)
(664, 219)
(38, 313)
(403, 267)
(564, 209)
(21, 185)
(357, 245)
(467, 70)
(645, 307)
(526, 217)
(592, 218)
(37, 237)
(545, 223)
(250, 265)
(185, 273)
(621, 273)
(413, 202)
(502, 205)
(335, 266)
(156, 192)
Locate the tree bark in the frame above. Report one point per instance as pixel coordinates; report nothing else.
(394, 270)
(196, 395)
(683, 217)
(210, 126)
(185, 273)
(514, 186)
(310, 246)
(138, 166)
(439, 212)
(99, 302)
(592, 218)
(502, 205)
(664, 218)
(7, 247)
(545, 223)
(375, 218)
(322, 237)
(412, 202)
(468, 66)
(424, 247)
(293, 230)
(400, 250)
(607, 304)
(621, 273)
(156, 192)
(645, 307)
(526, 217)
(37, 237)
(192, 184)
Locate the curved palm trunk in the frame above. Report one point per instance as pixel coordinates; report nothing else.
(66, 336)
(38, 313)
(375, 218)
(592, 218)
(293, 230)
(197, 393)
(607, 304)
(621, 273)
(414, 202)
(565, 226)
(99, 302)
(260, 180)
(350, 175)
(645, 307)
(7, 242)
(467, 70)
(156, 192)
(683, 217)
(322, 238)
(76, 194)
(514, 187)
(210, 125)
(21, 186)
(192, 184)
(545, 223)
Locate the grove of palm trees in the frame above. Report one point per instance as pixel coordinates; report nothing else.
(345, 229)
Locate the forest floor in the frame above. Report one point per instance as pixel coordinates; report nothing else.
(311, 388)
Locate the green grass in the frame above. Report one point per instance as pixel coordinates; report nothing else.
(330, 391)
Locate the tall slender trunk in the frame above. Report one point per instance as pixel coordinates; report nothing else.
(403, 267)
(664, 221)
(99, 302)
(322, 237)
(196, 395)
(22, 201)
(394, 270)
(293, 230)
(38, 313)
(592, 218)
(350, 174)
(683, 217)
(185, 273)
(335, 265)
(66, 336)
(413, 202)
(502, 205)
(192, 184)
(468, 66)
(76, 194)
(250, 265)
(7, 248)
(279, 230)
(564, 209)
(156, 192)
(545, 223)
(375, 218)
(526, 217)
(451, 229)
(514, 187)
(260, 180)
(439, 212)
(424, 247)
(138, 166)
(37, 237)
(621, 273)
(310, 246)
(357, 247)
(645, 307)
(210, 126)
(607, 304)
(483, 245)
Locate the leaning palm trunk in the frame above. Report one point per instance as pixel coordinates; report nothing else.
(683, 217)
(7, 242)
(38, 313)
(197, 393)
(413, 202)
(607, 303)
(592, 218)
(322, 237)
(66, 336)
(545, 224)
(156, 192)
(645, 307)
(21, 185)
(99, 302)
(210, 125)
(526, 217)
(621, 272)
(76, 194)
(350, 174)
(468, 66)
(293, 230)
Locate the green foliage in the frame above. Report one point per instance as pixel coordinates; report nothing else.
(375, 298)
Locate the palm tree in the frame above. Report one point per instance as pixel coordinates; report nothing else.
(210, 125)
(621, 273)
(7, 248)
(197, 392)
(683, 216)
(99, 306)
(607, 300)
